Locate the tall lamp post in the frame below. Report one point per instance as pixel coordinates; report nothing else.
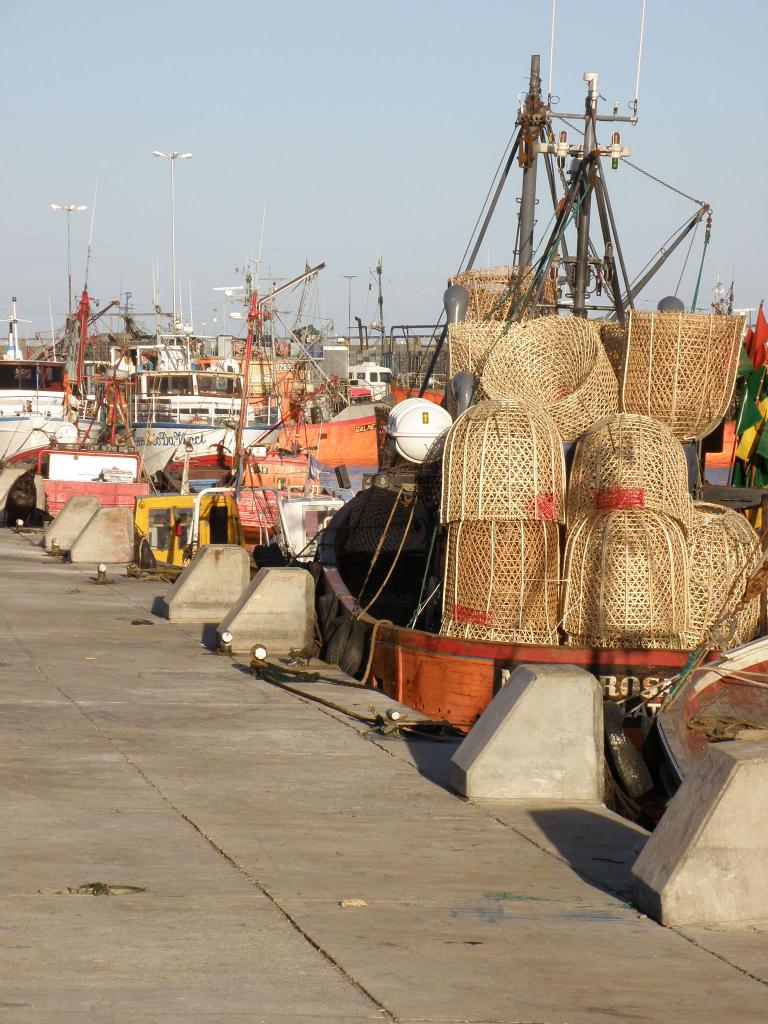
(350, 278)
(69, 209)
(172, 158)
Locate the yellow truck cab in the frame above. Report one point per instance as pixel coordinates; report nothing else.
(169, 528)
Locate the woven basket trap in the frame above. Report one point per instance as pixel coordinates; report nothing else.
(614, 338)
(626, 579)
(561, 362)
(629, 462)
(724, 551)
(496, 293)
(681, 369)
(503, 461)
(502, 582)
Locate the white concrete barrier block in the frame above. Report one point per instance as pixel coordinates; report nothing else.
(70, 522)
(106, 537)
(210, 584)
(541, 737)
(707, 861)
(277, 609)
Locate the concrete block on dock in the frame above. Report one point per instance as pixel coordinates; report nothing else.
(71, 521)
(540, 738)
(705, 863)
(210, 584)
(106, 537)
(277, 609)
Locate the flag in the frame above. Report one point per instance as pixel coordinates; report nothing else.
(745, 366)
(749, 414)
(758, 354)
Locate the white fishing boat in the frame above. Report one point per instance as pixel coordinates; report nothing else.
(33, 406)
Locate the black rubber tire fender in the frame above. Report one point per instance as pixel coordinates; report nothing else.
(327, 612)
(337, 640)
(352, 656)
(629, 767)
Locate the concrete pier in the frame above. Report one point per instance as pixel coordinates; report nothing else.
(295, 868)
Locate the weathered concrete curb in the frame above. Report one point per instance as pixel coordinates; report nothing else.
(541, 737)
(707, 861)
(277, 609)
(210, 584)
(71, 521)
(106, 537)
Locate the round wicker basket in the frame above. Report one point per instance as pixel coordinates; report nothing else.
(561, 362)
(469, 343)
(502, 461)
(626, 580)
(681, 369)
(502, 582)
(628, 461)
(496, 293)
(724, 550)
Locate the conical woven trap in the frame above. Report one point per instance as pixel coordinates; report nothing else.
(628, 461)
(559, 361)
(497, 293)
(724, 551)
(502, 461)
(681, 369)
(469, 343)
(502, 582)
(626, 580)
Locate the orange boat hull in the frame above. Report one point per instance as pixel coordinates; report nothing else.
(335, 442)
(400, 394)
(452, 680)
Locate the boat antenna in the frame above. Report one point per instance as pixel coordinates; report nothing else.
(552, 52)
(639, 58)
(90, 235)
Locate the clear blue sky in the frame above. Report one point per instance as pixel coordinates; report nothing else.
(368, 129)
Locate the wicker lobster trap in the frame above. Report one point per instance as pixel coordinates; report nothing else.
(614, 338)
(629, 462)
(502, 581)
(559, 361)
(626, 581)
(724, 552)
(681, 369)
(497, 293)
(502, 461)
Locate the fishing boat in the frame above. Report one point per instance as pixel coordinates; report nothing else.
(388, 581)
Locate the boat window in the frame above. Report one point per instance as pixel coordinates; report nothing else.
(209, 383)
(160, 528)
(374, 378)
(218, 520)
(19, 378)
(51, 378)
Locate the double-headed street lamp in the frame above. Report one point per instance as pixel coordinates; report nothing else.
(173, 157)
(69, 209)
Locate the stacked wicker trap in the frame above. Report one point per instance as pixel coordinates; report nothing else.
(502, 501)
(629, 517)
(724, 552)
(626, 581)
(629, 462)
(680, 368)
(614, 338)
(497, 293)
(561, 363)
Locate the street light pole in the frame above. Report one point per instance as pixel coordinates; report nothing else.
(68, 208)
(350, 278)
(173, 157)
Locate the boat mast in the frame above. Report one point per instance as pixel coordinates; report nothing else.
(532, 116)
(582, 223)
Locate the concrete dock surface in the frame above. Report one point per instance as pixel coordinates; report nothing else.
(294, 866)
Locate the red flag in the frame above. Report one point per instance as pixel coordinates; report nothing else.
(749, 340)
(759, 339)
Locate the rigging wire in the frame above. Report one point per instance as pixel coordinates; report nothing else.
(687, 256)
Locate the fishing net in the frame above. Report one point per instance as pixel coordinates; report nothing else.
(724, 551)
(368, 517)
(626, 580)
(681, 369)
(496, 293)
(559, 361)
(502, 582)
(628, 461)
(502, 461)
